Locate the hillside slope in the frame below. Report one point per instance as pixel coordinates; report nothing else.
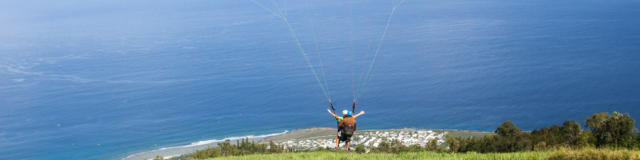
(559, 154)
(387, 156)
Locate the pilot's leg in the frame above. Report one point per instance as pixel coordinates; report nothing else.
(337, 142)
(348, 143)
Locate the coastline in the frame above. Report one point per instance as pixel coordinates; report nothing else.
(174, 151)
(315, 137)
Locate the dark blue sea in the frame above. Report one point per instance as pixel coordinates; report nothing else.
(106, 79)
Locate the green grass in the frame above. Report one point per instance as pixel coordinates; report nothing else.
(586, 154)
(386, 156)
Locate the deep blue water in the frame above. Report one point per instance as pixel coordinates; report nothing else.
(102, 80)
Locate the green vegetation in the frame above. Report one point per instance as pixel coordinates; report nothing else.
(589, 154)
(608, 136)
(243, 147)
(428, 155)
(612, 130)
(604, 130)
(387, 156)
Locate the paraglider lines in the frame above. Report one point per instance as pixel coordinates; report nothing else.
(365, 78)
(315, 42)
(300, 48)
(265, 8)
(321, 79)
(306, 58)
(353, 64)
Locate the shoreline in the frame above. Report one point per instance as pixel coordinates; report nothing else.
(175, 151)
(314, 137)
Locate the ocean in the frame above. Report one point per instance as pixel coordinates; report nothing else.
(107, 79)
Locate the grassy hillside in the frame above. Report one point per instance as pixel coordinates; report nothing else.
(387, 156)
(586, 154)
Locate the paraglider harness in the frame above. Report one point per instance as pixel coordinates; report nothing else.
(346, 130)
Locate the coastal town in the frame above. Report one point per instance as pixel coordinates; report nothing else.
(368, 138)
(317, 138)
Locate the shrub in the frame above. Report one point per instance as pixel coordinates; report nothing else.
(432, 145)
(360, 149)
(397, 146)
(383, 147)
(415, 148)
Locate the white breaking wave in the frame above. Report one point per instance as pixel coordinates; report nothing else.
(205, 142)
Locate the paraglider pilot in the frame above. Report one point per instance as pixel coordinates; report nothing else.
(346, 125)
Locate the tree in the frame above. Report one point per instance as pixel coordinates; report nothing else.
(274, 148)
(510, 138)
(611, 130)
(432, 145)
(638, 141)
(603, 130)
(586, 139)
(522, 142)
(490, 143)
(454, 144)
(507, 129)
(554, 136)
(571, 132)
(158, 158)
